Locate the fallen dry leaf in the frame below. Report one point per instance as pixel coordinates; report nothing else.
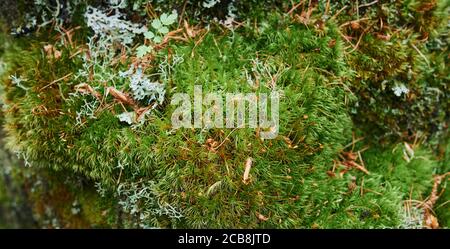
(85, 88)
(211, 145)
(248, 166)
(121, 97)
(430, 220)
(384, 37)
(261, 217)
(355, 25)
(52, 52)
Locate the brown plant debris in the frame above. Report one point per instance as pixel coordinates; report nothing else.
(122, 97)
(87, 89)
(51, 52)
(429, 220)
(261, 217)
(248, 166)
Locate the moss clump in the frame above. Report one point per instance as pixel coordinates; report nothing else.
(207, 183)
(149, 175)
(399, 53)
(381, 199)
(315, 125)
(38, 197)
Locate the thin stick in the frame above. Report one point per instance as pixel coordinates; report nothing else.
(327, 7)
(120, 175)
(56, 81)
(295, 7)
(354, 21)
(339, 12)
(373, 191)
(368, 4)
(248, 166)
(421, 55)
(182, 12)
(362, 187)
(359, 40)
(443, 204)
(357, 9)
(360, 159)
(353, 142)
(225, 139)
(198, 42)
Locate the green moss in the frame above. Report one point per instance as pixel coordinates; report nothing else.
(95, 149)
(441, 207)
(154, 176)
(408, 49)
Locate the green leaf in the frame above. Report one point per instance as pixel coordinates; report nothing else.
(149, 35)
(168, 19)
(173, 17)
(141, 51)
(164, 18)
(163, 30)
(157, 39)
(156, 24)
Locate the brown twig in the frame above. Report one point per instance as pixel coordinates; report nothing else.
(368, 4)
(56, 81)
(182, 12)
(248, 166)
(430, 221)
(295, 7)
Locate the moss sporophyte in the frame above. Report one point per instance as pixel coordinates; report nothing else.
(235, 111)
